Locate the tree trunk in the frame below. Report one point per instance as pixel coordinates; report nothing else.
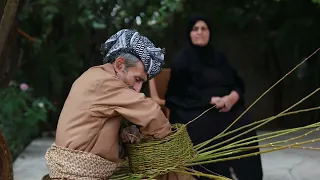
(7, 20)
(8, 46)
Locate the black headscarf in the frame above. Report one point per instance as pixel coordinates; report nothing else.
(192, 21)
(203, 54)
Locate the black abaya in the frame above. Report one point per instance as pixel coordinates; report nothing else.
(197, 74)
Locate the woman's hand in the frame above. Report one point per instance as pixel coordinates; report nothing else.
(217, 102)
(229, 101)
(224, 104)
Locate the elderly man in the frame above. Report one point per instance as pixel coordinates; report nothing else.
(87, 139)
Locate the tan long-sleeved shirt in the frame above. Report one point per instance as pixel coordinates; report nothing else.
(98, 100)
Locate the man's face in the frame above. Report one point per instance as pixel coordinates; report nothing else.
(134, 76)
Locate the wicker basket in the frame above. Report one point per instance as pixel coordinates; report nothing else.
(161, 156)
(6, 171)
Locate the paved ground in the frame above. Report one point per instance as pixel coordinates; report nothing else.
(289, 164)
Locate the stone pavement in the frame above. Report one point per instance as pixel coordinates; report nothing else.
(289, 164)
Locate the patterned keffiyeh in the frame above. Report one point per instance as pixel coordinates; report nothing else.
(131, 41)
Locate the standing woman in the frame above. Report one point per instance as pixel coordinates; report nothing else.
(200, 78)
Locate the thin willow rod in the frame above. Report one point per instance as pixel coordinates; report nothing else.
(253, 154)
(120, 178)
(290, 113)
(229, 151)
(251, 124)
(200, 115)
(271, 135)
(119, 175)
(185, 168)
(284, 132)
(303, 147)
(257, 122)
(125, 176)
(269, 89)
(275, 134)
(239, 150)
(273, 117)
(235, 151)
(202, 174)
(211, 171)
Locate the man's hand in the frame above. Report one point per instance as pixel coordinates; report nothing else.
(130, 134)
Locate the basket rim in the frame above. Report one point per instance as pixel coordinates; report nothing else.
(178, 128)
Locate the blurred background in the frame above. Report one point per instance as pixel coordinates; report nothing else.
(46, 44)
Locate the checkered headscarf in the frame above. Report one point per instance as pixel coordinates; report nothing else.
(130, 41)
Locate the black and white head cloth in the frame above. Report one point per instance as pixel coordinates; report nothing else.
(130, 41)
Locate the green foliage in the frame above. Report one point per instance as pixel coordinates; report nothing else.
(20, 115)
(69, 36)
(316, 1)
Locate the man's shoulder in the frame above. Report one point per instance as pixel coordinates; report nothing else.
(94, 76)
(98, 72)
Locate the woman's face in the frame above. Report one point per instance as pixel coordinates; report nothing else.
(200, 34)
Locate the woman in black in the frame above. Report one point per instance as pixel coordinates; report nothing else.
(200, 78)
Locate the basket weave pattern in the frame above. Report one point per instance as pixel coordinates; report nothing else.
(159, 157)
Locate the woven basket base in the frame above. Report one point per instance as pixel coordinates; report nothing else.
(159, 157)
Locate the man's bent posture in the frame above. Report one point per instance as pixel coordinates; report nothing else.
(87, 140)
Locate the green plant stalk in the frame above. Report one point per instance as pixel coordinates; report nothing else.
(234, 151)
(205, 156)
(284, 132)
(195, 171)
(257, 122)
(120, 177)
(200, 115)
(266, 138)
(126, 177)
(271, 119)
(269, 89)
(289, 131)
(252, 154)
(302, 147)
(201, 174)
(208, 175)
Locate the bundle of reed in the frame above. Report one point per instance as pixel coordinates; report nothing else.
(176, 153)
(147, 162)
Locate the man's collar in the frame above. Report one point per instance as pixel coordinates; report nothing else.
(109, 68)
